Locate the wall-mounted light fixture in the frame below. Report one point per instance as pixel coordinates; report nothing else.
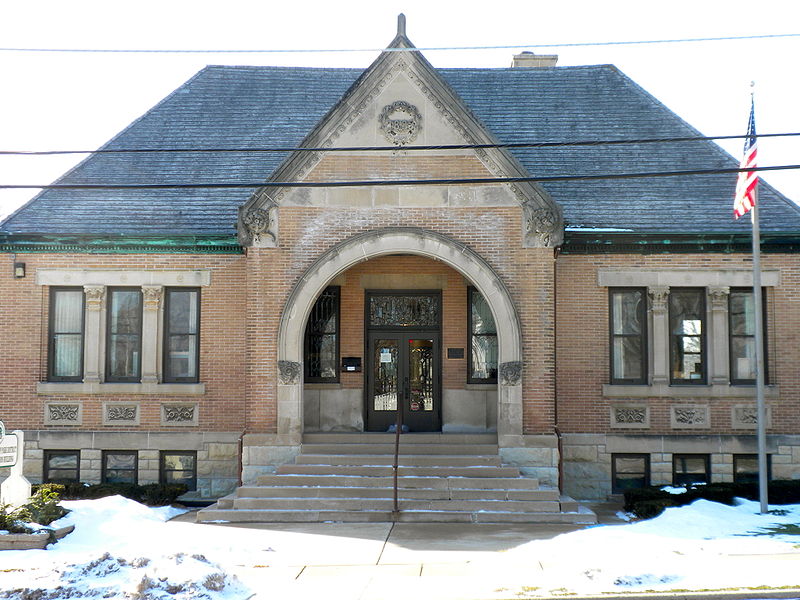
(19, 270)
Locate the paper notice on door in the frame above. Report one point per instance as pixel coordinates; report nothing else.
(386, 355)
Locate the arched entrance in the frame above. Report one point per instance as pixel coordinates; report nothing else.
(399, 241)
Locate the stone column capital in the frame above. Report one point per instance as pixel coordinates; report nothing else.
(719, 297)
(152, 296)
(95, 294)
(658, 297)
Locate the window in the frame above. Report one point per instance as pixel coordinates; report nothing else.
(179, 467)
(687, 313)
(482, 362)
(690, 468)
(745, 468)
(322, 339)
(62, 466)
(741, 326)
(65, 350)
(120, 466)
(628, 326)
(181, 335)
(124, 335)
(629, 471)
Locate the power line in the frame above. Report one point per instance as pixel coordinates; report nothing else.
(387, 182)
(422, 49)
(395, 148)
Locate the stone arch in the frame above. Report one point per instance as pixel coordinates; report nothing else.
(399, 240)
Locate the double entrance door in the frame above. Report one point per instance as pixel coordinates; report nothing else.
(403, 369)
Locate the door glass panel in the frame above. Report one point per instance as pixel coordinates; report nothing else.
(403, 311)
(420, 357)
(384, 364)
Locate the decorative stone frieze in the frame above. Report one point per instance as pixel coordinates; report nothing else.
(400, 131)
(289, 372)
(745, 416)
(690, 416)
(63, 413)
(94, 295)
(121, 413)
(630, 416)
(511, 373)
(182, 414)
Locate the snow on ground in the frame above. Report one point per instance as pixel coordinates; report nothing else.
(121, 549)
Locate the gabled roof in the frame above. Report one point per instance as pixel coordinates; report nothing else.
(256, 107)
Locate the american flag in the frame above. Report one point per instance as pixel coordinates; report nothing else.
(748, 181)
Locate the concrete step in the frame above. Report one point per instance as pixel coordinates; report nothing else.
(460, 439)
(352, 447)
(415, 460)
(213, 514)
(388, 492)
(404, 482)
(386, 471)
(385, 504)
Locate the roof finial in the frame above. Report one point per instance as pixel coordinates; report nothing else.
(401, 24)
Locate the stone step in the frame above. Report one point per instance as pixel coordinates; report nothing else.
(213, 514)
(386, 471)
(460, 439)
(405, 448)
(385, 504)
(404, 482)
(416, 460)
(388, 492)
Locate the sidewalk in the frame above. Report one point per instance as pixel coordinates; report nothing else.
(384, 561)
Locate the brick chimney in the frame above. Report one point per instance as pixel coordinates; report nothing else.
(529, 60)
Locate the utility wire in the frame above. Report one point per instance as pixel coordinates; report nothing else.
(396, 148)
(388, 182)
(425, 49)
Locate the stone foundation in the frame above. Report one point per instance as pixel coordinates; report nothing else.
(587, 457)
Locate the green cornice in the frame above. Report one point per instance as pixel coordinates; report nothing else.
(599, 242)
(116, 244)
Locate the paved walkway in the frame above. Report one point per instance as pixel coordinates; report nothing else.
(412, 561)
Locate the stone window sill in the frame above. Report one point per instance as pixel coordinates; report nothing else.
(84, 389)
(660, 390)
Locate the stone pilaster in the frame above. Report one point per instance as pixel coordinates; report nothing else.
(659, 295)
(92, 333)
(151, 296)
(720, 365)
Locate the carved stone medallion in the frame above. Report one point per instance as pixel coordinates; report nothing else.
(400, 122)
(258, 223)
(511, 373)
(542, 226)
(289, 372)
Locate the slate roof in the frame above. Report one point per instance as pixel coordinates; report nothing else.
(248, 107)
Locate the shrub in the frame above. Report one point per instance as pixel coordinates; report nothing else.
(153, 494)
(647, 509)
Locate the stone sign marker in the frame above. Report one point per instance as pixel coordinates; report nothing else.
(16, 489)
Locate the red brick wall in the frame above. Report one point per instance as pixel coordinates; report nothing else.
(23, 327)
(583, 346)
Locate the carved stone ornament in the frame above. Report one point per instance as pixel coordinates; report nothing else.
(259, 223)
(747, 415)
(152, 296)
(289, 372)
(690, 416)
(511, 373)
(658, 298)
(179, 413)
(630, 415)
(542, 226)
(63, 412)
(94, 295)
(121, 413)
(719, 297)
(400, 123)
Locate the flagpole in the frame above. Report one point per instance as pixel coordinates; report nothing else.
(761, 411)
(759, 341)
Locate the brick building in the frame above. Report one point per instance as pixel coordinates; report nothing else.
(597, 332)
